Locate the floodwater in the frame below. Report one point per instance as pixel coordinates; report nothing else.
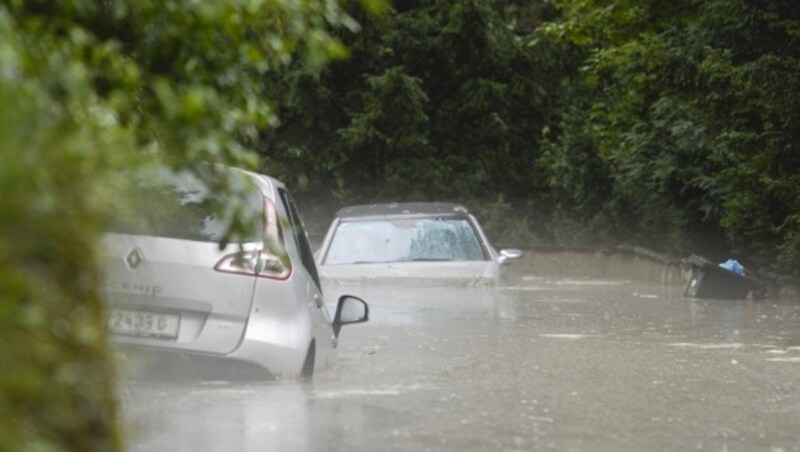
(544, 363)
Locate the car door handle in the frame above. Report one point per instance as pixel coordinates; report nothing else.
(318, 300)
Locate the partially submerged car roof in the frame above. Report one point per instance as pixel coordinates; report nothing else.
(402, 209)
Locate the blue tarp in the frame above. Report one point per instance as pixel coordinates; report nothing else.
(734, 266)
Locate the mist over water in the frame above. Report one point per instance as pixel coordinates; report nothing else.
(581, 360)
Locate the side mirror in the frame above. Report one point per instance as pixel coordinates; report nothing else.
(349, 310)
(509, 254)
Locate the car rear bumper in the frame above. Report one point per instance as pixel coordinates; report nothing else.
(270, 349)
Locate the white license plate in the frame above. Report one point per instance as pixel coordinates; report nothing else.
(140, 323)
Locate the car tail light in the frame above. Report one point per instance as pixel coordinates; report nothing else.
(270, 262)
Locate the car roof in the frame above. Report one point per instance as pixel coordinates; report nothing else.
(402, 209)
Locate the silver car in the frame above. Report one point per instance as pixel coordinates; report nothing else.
(252, 305)
(409, 242)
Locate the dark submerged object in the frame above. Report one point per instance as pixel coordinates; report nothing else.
(709, 280)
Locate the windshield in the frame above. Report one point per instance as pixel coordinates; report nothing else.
(404, 240)
(183, 207)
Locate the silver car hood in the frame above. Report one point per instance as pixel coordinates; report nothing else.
(458, 273)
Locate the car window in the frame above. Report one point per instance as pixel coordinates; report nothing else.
(182, 207)
(404, 240)
(300, 236)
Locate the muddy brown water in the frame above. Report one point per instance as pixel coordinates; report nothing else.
(579, 357)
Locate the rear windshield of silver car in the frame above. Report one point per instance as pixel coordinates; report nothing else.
(183, 207)
(404, 240)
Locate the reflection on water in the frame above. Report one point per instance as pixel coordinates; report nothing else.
(215, 416)
(543, 363)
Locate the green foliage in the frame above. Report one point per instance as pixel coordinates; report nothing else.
(438, 101)
(388, 121)
(91, 91)
(684, 111)
(56, 385)
(753, 71)
(665, 124)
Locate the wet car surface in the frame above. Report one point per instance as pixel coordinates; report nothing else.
(409, 243)
(175, 294)
(544, 364)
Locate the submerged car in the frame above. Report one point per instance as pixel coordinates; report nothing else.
(171, 288)
(410, 242)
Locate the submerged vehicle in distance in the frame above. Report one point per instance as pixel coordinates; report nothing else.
(253, 307)
(425, 243)
(726, 280)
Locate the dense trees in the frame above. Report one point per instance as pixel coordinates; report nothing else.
(688, 116)
(662, 124)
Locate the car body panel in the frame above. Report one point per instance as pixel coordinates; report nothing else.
(241, 317)
(213, 315)
(338, 268)
(467, 273)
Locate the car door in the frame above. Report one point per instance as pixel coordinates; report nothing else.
(323, 332)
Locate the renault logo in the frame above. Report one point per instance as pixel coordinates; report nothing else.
(134, 258)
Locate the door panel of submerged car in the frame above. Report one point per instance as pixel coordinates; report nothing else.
(299, 242)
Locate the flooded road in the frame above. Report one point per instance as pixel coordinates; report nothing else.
(543, 364)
